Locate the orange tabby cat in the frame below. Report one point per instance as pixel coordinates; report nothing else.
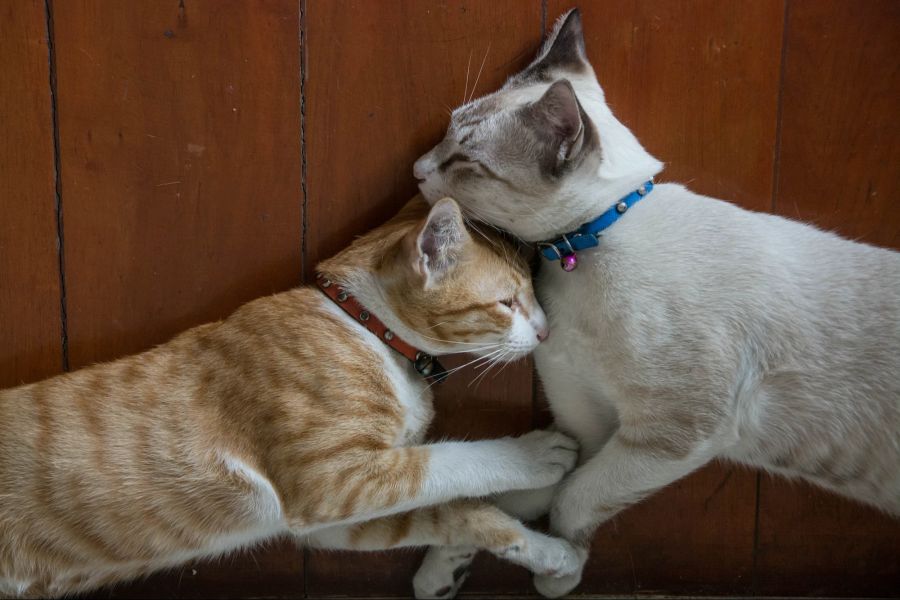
(287, 418)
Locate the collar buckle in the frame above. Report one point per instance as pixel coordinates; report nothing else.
(588, 235)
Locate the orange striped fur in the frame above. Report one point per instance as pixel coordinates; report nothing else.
(282, 419)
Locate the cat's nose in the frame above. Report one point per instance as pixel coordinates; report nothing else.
(423, 168)
(543, 333)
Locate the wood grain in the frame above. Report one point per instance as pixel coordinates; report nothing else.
(838, 168)
(379, 83)
(271, 571)
(839, 151)
(30, 312)
(180, 139)
(180, 144)
(181, 175)
(697, 82)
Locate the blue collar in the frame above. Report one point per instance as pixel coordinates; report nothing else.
(587, 236)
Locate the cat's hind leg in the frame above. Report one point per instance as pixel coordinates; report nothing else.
(443, 565)
(443, 571)
(458, 525)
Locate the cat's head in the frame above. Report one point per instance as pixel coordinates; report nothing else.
(537, 156)
(443, 287)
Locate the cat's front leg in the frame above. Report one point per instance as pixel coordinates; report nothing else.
(469, 469)
(626, 470)
(387, 481)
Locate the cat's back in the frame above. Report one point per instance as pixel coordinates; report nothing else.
(195, 440)
(301, 344)
(803, 324)
(708, 255)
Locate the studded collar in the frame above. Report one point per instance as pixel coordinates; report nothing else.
(587, 236)
(424, 363)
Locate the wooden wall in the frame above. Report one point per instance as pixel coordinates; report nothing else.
(162, 162)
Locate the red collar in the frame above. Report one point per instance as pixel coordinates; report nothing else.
(427, 365)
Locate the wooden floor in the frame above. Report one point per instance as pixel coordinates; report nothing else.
(164, 161)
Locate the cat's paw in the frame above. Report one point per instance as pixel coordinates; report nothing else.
(553, 583)
(556, 587)
(443, 571)
(545, 555)
(548, 456)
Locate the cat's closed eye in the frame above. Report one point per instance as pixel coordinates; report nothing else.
(461, 166)
(508, 302)
(454, 160)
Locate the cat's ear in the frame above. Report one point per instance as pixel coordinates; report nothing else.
(560, 123)
(439, 241)
(564, 48)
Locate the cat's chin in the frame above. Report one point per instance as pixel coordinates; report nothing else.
(431, 196)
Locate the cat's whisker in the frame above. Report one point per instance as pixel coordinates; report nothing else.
(501, 352)
(475, 86)
(505, 364)
(480, 216)
(473, 361)
(484, 214)
(480, 344)
(471, 225)
(466, 88)
(449, 372)
(494, 362)
(442, 323)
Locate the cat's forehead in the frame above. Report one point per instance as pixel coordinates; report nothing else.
(473, 113)
(485, 111)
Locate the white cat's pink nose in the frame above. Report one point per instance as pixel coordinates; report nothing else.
(543, 333)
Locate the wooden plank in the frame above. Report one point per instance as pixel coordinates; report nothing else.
(839, 150)
(697, 82)
(272, 571)
(813, 543)
(380, 79)
(180, 144)
(838, 168)
(30, 315)
(181, 172)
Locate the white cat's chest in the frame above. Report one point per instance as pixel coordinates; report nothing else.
(572, 312)
(411, 390)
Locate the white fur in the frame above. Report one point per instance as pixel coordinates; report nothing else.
(266, 503)
(701, 330)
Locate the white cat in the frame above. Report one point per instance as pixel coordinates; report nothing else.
(694, 330)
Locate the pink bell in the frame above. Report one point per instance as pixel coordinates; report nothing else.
(568, 263)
